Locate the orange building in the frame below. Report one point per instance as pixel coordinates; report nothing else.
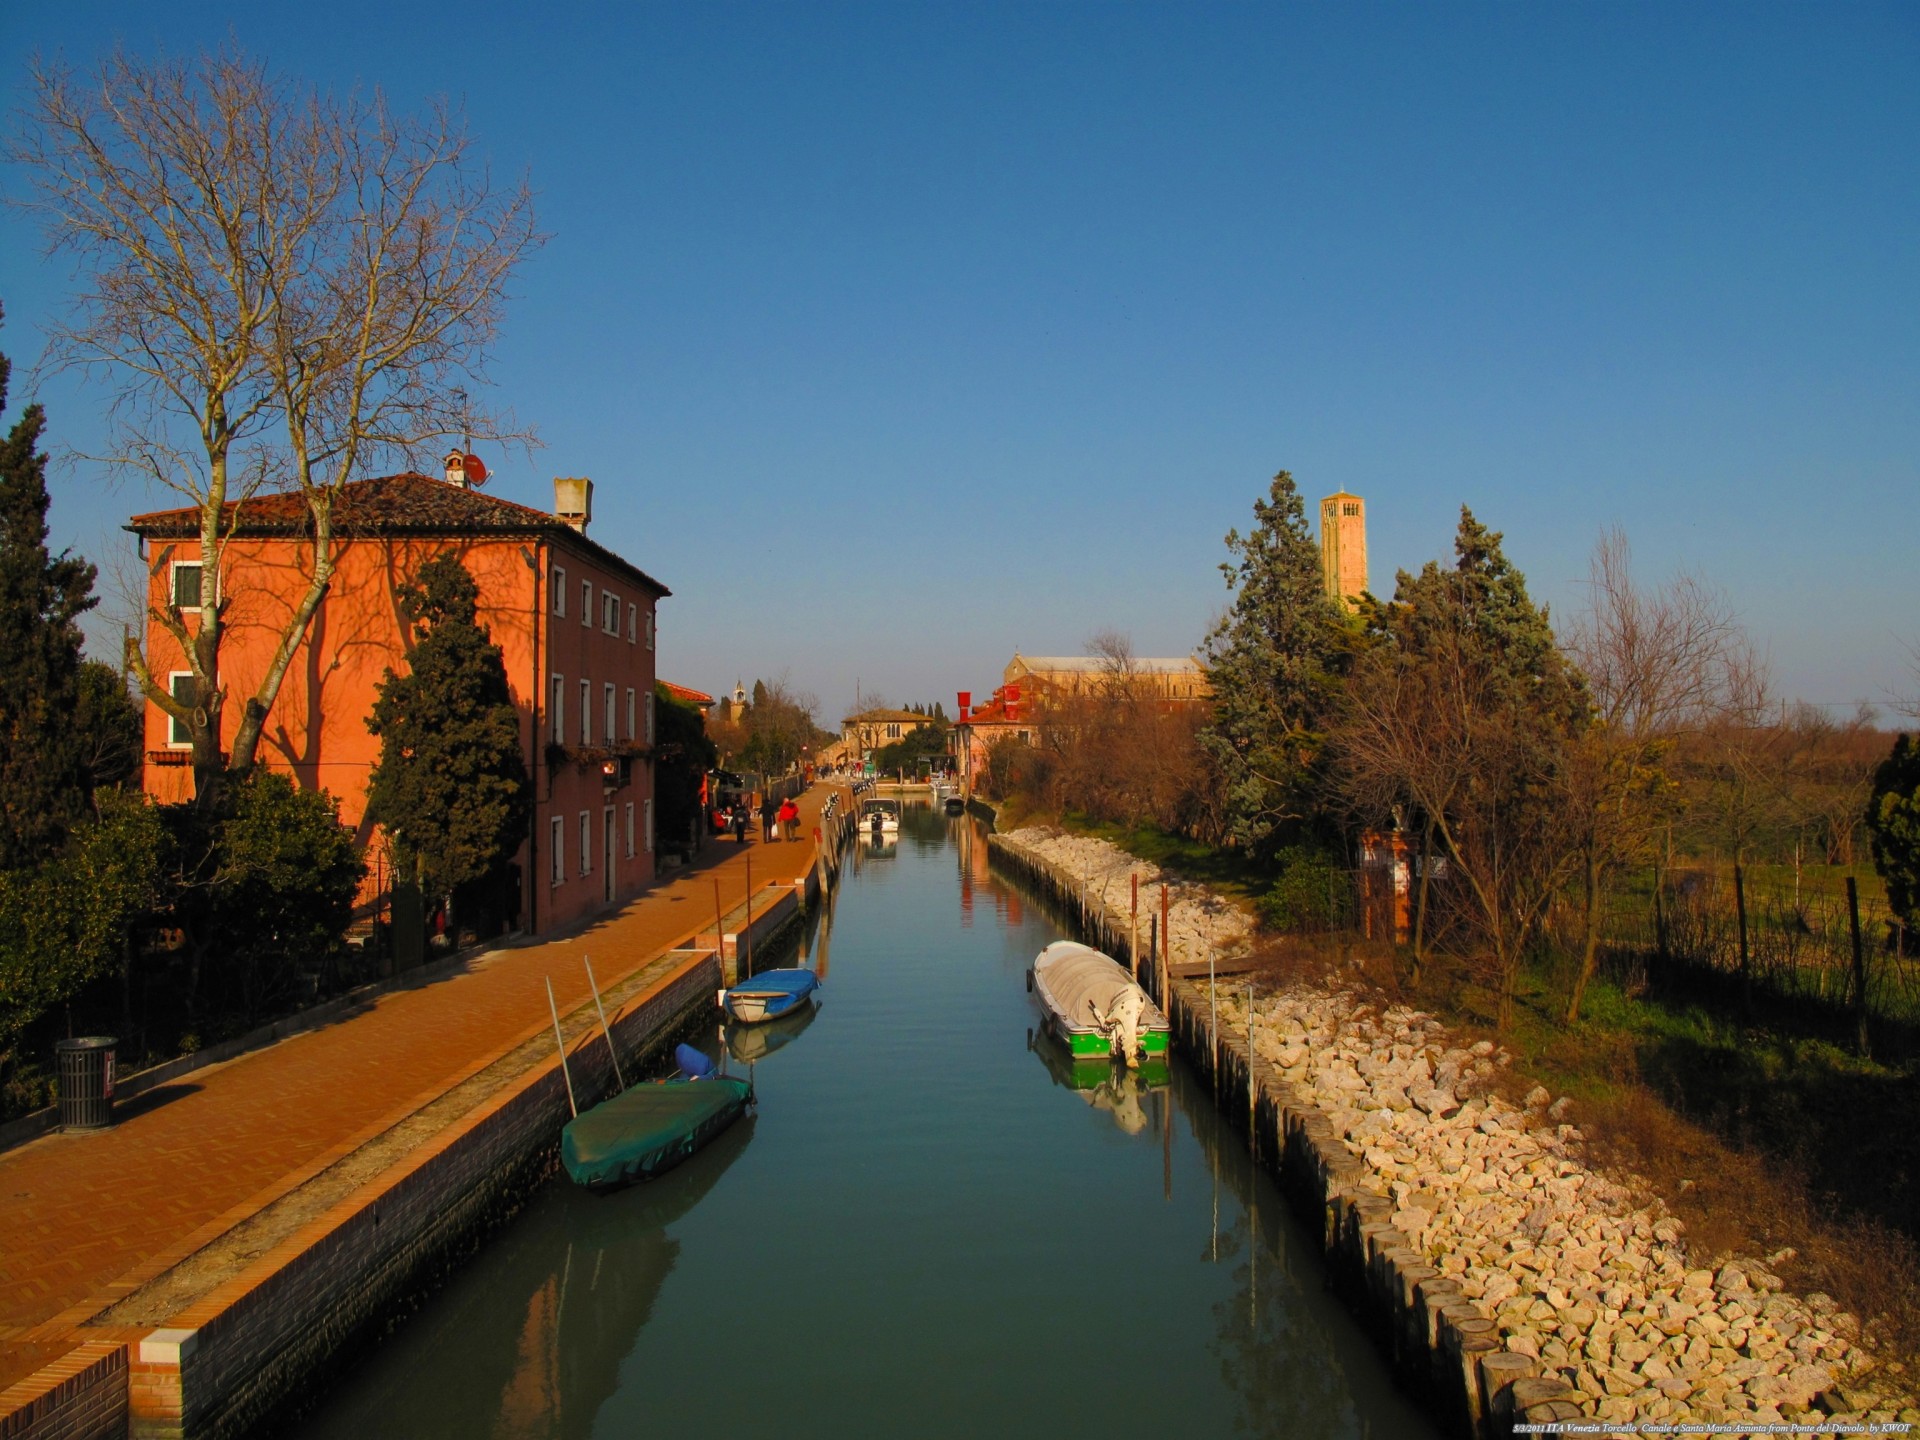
(574, 621)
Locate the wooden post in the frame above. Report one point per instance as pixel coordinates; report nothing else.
(1253, 1096)
(1166, 952)
(1133, 930)
(719, 930)
(1859, 969)
(747, 934)
(565, 1073)
(613, 1054)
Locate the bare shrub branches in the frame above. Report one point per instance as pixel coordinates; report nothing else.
(287, 287)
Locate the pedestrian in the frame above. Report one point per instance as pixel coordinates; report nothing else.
(789, 818)
(769, 822)
(739, 824)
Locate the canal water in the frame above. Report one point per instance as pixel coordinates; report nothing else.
(927, 1229)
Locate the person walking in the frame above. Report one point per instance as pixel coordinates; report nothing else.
(789, 819)
(740, 824)
(769, 822)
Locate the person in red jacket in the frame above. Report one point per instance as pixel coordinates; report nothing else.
(789, 817)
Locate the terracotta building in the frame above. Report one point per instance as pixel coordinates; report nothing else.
(574, 621)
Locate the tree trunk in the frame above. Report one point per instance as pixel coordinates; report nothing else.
(1420, 902)
(1589, 937)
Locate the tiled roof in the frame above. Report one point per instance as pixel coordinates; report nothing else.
(683, 692)
(406, 504)
(883, 717)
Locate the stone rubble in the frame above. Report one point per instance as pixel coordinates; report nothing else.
(1587, 1275)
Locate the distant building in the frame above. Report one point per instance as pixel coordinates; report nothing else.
(1063, 676)
(686, 695)
(573, 620)
(1007, 714)
(871, 730)
(1343, 546)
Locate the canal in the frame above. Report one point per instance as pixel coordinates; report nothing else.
(926, 1228)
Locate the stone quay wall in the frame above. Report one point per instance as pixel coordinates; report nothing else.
(1509, 1282)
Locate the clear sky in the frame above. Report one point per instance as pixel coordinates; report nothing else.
(897, 336)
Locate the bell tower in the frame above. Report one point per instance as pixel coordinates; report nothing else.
(1343, 546)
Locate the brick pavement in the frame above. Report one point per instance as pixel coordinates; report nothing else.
(78, 1212)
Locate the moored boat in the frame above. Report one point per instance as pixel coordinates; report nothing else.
(880, 817)
(769, 995)
(647, 1130)
(1091, 1004)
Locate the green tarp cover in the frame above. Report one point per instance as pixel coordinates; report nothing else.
(648, 1129)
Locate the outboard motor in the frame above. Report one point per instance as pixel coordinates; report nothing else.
(877, 825)
(1122, 1024)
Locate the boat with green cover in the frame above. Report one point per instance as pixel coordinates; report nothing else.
(646, 1131)
(1093, 1006)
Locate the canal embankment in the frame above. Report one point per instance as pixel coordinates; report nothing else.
(233, 1324)
(1508, 1280)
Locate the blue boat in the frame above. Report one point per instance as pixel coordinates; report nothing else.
(769, 995)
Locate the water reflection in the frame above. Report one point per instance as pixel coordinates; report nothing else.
(539, 1337)
(1103, 1082)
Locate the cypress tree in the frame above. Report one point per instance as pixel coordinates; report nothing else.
(1274, 662)
(44, 777)
(451, 784)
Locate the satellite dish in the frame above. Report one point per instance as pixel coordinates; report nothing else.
(476, 472)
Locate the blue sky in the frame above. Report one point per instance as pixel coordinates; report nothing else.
(899, 336)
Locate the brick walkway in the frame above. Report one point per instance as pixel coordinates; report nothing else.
(79, 1211)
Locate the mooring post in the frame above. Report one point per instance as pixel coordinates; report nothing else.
(1253, 1099)
(720, 933)
(1133, 930)
(747, 934)
(605, 1029)
(1166, 947)
(565, 1073)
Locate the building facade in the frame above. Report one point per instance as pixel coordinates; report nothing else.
(1182, 679)
(576, 625)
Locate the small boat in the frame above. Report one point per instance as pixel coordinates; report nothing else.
(646, 1131)
(880, 817)
(769, 995)
(1091, 1004)
(956, 805)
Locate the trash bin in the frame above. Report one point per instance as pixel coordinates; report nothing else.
(86, 1082)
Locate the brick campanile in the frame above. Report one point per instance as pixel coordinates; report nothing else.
(1343, 545)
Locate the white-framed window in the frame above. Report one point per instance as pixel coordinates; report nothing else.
(559, 708)
(183, 585)
(586, 603)
(180, 686)
(649, 629)
(629, 712)
(586, 842)
(560, 591)
(649, 717)
(586, 712)
(649, 824)
(557, 852)
(629, 829)
(609, 612)
(607, 713)
(633, 622)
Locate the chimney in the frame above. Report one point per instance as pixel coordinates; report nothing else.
(456, 464)
(573, 501)
(965, 697)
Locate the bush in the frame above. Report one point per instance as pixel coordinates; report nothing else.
(1304, 894)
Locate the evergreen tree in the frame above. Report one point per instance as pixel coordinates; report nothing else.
(451, 784)
(44, 780)
(1893, 826)
(1274, 661)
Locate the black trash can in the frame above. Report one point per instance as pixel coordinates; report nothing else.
(86, 1082)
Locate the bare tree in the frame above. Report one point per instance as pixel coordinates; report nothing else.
(1660, 665)
(287, 288)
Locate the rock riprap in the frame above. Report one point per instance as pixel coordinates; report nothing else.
(1585, 1273)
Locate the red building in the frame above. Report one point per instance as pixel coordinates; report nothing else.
(574, 621)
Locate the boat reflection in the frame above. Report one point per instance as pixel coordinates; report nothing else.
(1105, 1084)
(749, 1044)
(534, 1351)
